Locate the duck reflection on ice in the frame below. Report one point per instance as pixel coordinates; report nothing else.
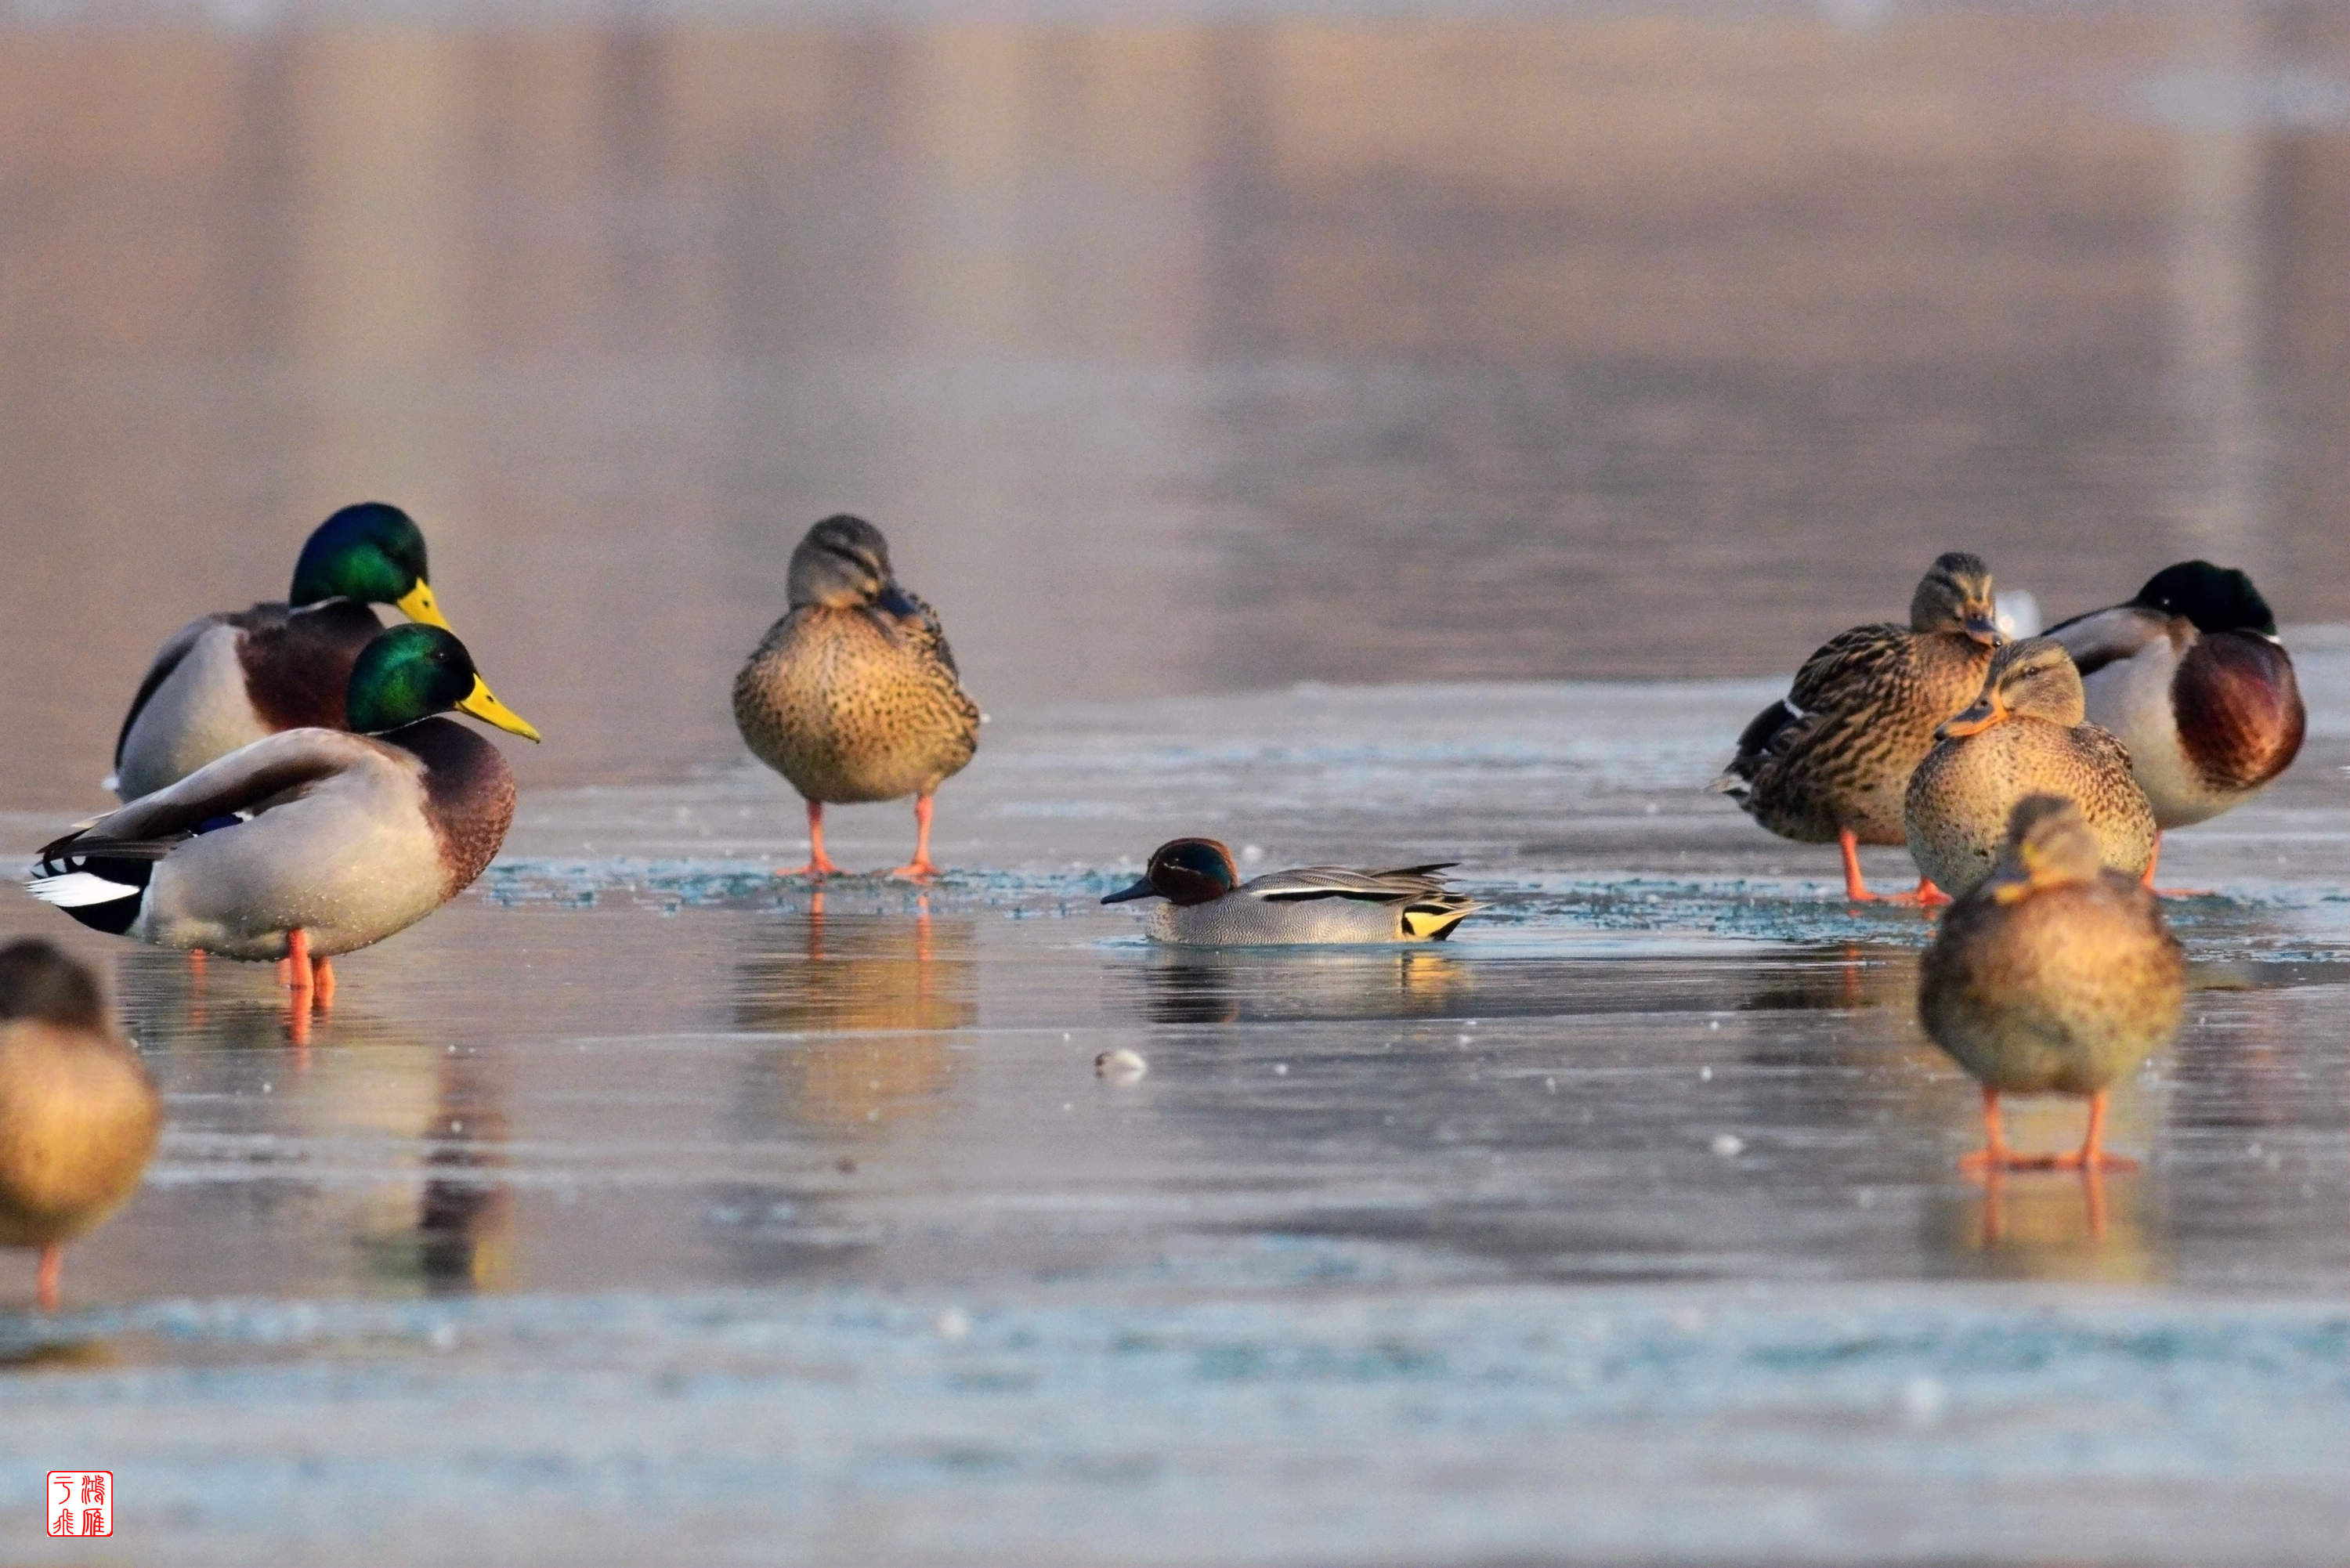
(464, 1220)
(873, 997)
(2084, 1226)
(1242, 985)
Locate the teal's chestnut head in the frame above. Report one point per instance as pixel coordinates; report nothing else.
(411, 672)
(1184, 871)
(372, 553)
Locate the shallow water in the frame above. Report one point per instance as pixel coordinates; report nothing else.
(640, 1206)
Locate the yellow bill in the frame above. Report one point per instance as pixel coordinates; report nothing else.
(483, 704)
(417, 604)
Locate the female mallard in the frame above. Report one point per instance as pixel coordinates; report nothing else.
(2024, 735)
(1829, 762)
(310, 842)
(2190, 675)
(228, 680)
(2054, 976)
(1208, 905)
(853, 695)
(77, 1114)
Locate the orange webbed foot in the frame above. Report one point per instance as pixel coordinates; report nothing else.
(918, 870)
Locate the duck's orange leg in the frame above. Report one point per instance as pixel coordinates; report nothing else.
(1994, 1154)
(819, 863)
(2091, 1156)
(920, 868)
(2146, 881)
(294, 970)
(1855, 889)
(52, 1271)
(322, 981)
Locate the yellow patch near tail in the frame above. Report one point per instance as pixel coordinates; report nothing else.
(1433, 922)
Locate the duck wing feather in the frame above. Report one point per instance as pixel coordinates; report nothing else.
(2109, 636)
(1395, 886)
(248, 780)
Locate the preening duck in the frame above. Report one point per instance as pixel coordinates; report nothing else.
(2056, 975)
(229, 679)
(1829, 762)
(1207, 904)
(78, 1116)
(853, 695)
(310, 842)
(2192, 678)
(2024, 735)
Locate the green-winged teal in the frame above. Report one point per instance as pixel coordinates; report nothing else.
(1206, 904)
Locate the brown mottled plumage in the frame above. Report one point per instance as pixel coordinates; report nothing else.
(77, 1114)
(2025, 735)
(2055, 975)
(853, 695)
(1828, 764)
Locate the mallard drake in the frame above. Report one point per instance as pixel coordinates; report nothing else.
(228, 680)
(1208, 905)
(1829, 762)
(310, 842)
(78, 1115)
(2055, 975)
(853, 696)
(2025, 735)
(2190, 675)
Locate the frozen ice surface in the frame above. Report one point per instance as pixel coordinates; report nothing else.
(643, 1207)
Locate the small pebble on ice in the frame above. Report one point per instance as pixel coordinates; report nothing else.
(1923, 1399)
(1728, 1145)
(1705, 1075)
(1121, 1066)
(953, 1323)
(1250, 854)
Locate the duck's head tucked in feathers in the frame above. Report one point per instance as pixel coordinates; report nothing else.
(2215, 598)
(411, 673)
(39, 981)
(1184, 871)
(844, 564)
(2035, 679)
(1955, 595)
(371, 553)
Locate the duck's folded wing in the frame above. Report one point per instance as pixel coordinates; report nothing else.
(1338, 882)
(247, 780)
(2108, 636)
(1840, 668)
(167, 659)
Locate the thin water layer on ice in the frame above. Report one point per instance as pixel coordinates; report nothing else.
(642, 1205)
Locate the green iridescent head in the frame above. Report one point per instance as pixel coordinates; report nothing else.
(411, 672)
(372, 553)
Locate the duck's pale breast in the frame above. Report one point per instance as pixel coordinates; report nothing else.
(351, 861)
(1955, 814)
(846, 712)
(78, 1122)
(2068, 990)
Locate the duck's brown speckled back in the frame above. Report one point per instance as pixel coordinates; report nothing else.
(1870, 699)
(1955, 809)
(2065, 989)
(856, 704)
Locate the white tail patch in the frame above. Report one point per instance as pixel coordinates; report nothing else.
(72, 889)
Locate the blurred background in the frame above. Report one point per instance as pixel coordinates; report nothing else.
(1182, 348)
